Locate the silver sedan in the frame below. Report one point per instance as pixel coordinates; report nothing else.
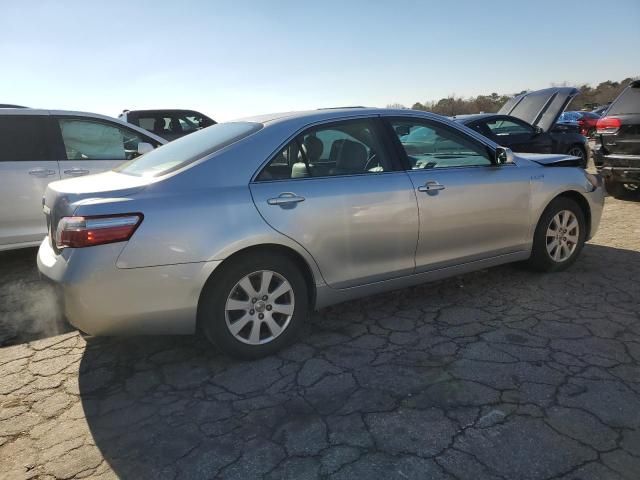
(240, 229)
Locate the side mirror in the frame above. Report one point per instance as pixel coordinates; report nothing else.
(537, 130)
(503, 156)
(144, 147)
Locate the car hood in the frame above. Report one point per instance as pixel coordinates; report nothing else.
(551, 160)
(540, 108)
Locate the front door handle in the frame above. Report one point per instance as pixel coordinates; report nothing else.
(42, 172)
(285, 199)
(431, 186)
(76, 172)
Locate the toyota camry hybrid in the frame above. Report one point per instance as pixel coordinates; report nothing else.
(240, 229)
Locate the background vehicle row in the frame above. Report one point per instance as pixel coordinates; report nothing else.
(41, 146)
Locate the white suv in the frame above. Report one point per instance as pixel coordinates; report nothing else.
(40, 146)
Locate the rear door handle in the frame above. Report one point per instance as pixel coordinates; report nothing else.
(42, 172)
(431, 186)
(285, 199)
(76, 171)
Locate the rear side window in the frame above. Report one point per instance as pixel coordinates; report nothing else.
(185, 150)
(344, 148)
(23, 138)
(627, 102)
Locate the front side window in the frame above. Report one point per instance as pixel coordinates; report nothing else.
(23, 138)
(501, 128)
(345, 148)
(428, 145)
(93, 140)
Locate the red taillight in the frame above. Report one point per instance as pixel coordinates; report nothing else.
(608, 125)
(582, 126)
(78, 232)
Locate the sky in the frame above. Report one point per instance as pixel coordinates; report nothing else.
(241, 58)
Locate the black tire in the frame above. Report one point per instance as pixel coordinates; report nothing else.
(578, 151)
(616, 189)
(540, 259)
(211, 312)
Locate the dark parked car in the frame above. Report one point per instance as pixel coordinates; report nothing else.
(168, 124)
(528, 123)
(586, 121)
(617, 152)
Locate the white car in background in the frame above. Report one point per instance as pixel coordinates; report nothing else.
(40, 146)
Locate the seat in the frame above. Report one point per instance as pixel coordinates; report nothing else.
(174, 125)
(313, 149)
(350, 157)
(159, 125)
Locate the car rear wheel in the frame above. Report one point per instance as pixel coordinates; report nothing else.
(559, 236)
(578, 151)
(255, 306)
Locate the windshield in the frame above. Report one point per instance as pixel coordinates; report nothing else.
(183, 151)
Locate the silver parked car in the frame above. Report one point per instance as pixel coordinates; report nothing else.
(40, 146)
(241, 228)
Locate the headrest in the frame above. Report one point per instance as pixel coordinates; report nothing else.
(349, 155)
(313, 148)
(159, 124)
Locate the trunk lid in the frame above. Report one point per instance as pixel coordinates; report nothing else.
(62, 198)
(540, 108)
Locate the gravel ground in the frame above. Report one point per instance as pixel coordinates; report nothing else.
(498, 374)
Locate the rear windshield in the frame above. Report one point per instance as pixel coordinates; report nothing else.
(627, 102)
(185, 150)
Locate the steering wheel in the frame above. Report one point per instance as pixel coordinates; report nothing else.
(373, 157)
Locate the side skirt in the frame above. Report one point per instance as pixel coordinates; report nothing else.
(326, 296)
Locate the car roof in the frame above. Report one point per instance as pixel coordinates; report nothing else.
(328, 114)
(293, 121)
(41, 112)
(155, 110)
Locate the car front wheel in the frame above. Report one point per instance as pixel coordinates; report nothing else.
(559, 236)
(255, 306)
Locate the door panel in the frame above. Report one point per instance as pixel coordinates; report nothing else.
(473, 213)
(469, 207)
(22, 187)
(359, 228)
(536, 143)
(25, 170)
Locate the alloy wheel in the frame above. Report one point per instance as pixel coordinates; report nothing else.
(576, 152)
(563, 233)
(259, 307)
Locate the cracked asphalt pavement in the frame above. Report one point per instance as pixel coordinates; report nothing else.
(498, 374)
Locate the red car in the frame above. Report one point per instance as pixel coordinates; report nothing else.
(586, 121)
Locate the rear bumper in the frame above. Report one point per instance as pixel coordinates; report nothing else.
(622, 168)
(621, 174)
(100, 299)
